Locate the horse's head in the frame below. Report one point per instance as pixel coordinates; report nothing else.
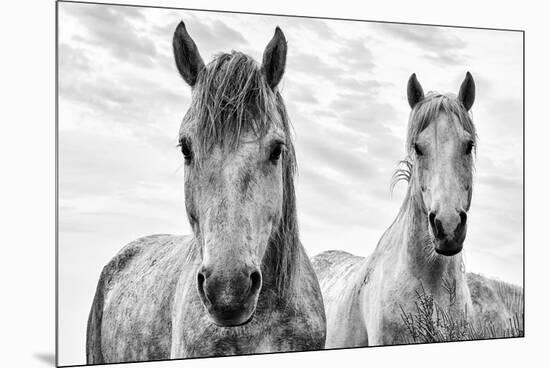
(239, 158)
(441, 140)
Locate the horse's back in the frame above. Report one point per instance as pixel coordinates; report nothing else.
(333, 265)
(339, 275)
(494, 300)
(130, 315)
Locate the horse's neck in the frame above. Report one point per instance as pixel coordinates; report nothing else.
(281, 267)
(406, 242)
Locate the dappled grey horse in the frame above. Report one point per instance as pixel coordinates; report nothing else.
(422, 248)
(242, 282)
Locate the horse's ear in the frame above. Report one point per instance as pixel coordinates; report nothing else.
(274, 60)
(467, 93)
(415, 93)
(186, 53)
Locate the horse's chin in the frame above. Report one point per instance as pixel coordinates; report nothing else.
(232, 318)
(232, 322)
(447, 248)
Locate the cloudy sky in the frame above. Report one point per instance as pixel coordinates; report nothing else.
(121, 101)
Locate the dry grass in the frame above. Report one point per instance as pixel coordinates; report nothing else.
(432, 323)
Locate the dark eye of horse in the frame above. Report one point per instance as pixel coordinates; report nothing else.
(417, 150)
(469, 147)
(276, 152)
(186, 150)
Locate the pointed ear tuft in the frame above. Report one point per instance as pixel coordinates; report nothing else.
(186, 54)
(415, 93)
(274, 60)
(467, 93)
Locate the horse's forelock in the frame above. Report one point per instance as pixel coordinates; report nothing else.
(231, 98)
(420, 118)
(427, 110)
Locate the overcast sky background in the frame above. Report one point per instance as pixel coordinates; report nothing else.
(121, 101)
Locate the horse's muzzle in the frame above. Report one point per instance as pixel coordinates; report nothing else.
(449, 232)
(229, 297)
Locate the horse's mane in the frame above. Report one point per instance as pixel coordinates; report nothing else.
(231, 98)
(422, 114)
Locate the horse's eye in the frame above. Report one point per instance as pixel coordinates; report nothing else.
(469, 147)
(276, 152)
(418, 150)
(186, 150)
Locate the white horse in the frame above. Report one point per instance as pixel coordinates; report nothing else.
(241, 283)
(422, 248)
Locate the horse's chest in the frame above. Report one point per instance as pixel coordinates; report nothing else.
(228, 343)
(206, 339)
(267, 332)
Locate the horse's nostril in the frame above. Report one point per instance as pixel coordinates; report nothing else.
(431, 219)
(463, 218)
(256, 279)
(200, 282)
(439, 232)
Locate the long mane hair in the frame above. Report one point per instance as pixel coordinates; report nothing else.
(231, 98)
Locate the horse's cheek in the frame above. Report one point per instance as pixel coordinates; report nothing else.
(188, 189)
(269, 197)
